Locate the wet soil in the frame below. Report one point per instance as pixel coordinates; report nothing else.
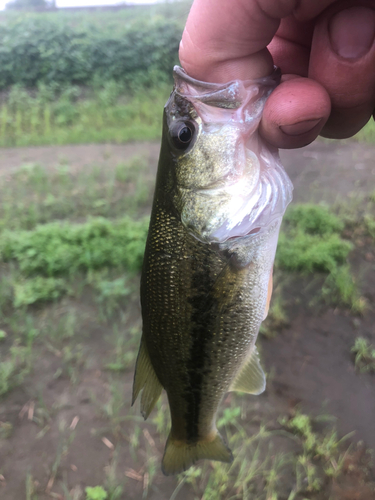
(309, 360)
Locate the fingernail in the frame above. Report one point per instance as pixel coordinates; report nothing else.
(300, 127)
(352, 32)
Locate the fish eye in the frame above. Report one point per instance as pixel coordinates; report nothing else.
(183, 135)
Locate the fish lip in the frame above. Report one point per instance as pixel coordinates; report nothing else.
(256, 231)
(205, 91)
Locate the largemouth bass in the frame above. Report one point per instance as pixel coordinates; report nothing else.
(206, 282)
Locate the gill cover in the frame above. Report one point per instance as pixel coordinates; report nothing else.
(229, 182)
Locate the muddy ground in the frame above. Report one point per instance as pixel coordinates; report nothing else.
(309, 360)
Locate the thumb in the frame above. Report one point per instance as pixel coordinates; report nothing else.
(226, 40)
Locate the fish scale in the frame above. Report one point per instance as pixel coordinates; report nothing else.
(207, 278)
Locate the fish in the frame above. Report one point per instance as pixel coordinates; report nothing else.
(206, 281)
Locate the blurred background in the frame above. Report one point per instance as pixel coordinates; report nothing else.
(82, 91)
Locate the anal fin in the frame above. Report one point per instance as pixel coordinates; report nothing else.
(145, 378)
(251, 378)
(180, 455)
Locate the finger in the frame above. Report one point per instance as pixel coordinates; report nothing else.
(290, 47)
(343, 61)
(225, 40)
(295, 113)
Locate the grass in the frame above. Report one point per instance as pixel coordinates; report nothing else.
(37, 195)
(364, 355)
(14, 366)
(367, 134)
(82, 115)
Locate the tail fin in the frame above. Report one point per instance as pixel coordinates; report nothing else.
(180, 455)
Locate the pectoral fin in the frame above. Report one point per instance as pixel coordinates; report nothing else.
(269, 295)
(145, 378)
(251, 378)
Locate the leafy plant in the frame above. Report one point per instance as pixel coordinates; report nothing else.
(41, 49)
(95, 493)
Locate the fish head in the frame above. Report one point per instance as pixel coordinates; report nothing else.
(220, 165)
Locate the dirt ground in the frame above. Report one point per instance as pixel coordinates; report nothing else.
(309, 361)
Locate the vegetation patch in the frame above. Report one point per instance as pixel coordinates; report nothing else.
(58, 249)
(52, 48)
(112, 112)
(35, 194)
(311, 241)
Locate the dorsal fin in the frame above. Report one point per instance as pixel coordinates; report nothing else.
(251, 378)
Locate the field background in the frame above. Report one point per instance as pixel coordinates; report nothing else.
(80, 121)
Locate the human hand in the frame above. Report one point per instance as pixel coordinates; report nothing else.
(325, 49)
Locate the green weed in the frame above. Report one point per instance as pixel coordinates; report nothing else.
(313, 219)
(57, 249)
(364, 355)
(369, 222)
(30, 487)
(311, 253)
(311, 242)
(340, 288)
(111, 295)
(126, 348)
(14, 367)
(6, 429)
(113, 485)
(95, 493)
(66, 438)
(113, 409)
(60, 326)
(38, 289)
